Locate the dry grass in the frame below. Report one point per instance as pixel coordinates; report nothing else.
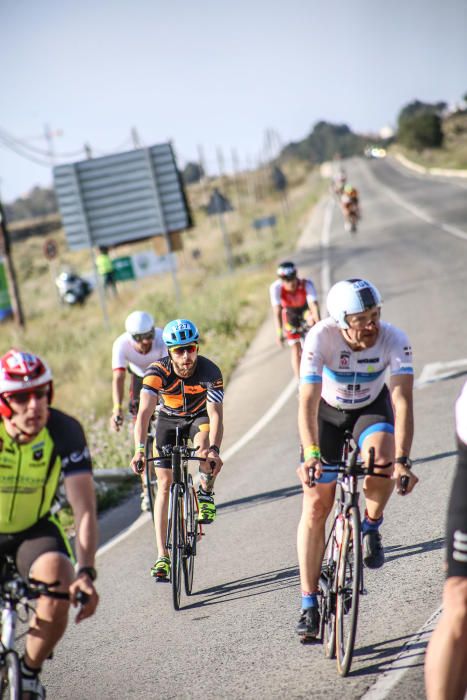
(227, 307)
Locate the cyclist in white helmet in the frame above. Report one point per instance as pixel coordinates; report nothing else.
(343, 388)
(133, 351)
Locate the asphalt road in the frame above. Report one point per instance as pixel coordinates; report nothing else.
(235, 638)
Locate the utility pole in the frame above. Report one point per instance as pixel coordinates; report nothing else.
(88, 151)
(237, 184)
(5, 249)
(135, 137)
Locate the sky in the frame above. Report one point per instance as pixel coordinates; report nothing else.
(212, 74)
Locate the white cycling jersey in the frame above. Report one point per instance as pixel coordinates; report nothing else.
(279, 296)
(352, 379)
(125, 354)
(461, 415)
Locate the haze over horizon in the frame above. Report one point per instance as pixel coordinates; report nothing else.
(213, 75)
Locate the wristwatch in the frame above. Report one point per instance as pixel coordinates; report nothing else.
(405, 461)
(89, 571)
(215, 448)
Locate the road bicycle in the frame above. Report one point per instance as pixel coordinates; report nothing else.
(16, 594)
(341, 579)
(183, 529)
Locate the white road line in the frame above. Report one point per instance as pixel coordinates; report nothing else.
(419, 213)
(413, 652)
(433, 372)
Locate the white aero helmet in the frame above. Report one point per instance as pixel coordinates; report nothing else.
(351, 297)
(139, 323)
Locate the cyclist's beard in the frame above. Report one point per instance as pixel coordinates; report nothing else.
(28, 428)
(185, 368)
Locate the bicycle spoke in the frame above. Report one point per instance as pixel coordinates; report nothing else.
(191, 525)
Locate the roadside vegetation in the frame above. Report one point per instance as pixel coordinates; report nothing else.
(227, 307)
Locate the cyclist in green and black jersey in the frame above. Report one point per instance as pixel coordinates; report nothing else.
(38, 445)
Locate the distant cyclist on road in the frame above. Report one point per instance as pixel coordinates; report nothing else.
(191, 393)
(295, 306)
(38, 446)
(446, 657)
(134, 350)
(342, 376)
(350, 204)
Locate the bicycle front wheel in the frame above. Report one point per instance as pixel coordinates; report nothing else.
(348, 592)
(176, 545)
(191, 524)
(10, 677)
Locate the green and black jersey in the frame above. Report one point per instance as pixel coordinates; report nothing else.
(30, 473)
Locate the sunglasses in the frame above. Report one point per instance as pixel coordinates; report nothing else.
(182, 349)
(22, 397)
(138, 337)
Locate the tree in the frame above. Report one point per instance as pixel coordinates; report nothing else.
(193, 172)
(420, 125)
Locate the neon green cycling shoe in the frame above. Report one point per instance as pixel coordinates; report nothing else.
(207, 507)
(161, 568)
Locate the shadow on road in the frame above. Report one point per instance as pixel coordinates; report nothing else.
(247, 587)
(258, 498)
(381, 656)
(409, 550)
(434, 458)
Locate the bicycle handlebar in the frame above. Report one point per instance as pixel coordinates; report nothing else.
(18, 589)
(349, 470)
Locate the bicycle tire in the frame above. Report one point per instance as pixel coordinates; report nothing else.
(10, 677)
(150, 481)
(191, 528)
(349, 581)
(177, 545)
(328, 600)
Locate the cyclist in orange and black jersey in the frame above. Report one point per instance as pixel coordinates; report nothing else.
(190, 391)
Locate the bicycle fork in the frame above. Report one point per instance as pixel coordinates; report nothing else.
(9, 616)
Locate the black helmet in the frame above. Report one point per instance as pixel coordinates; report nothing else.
(287, 270)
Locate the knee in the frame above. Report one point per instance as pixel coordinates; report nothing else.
(163, 485)
(455, 606)
(314, 512)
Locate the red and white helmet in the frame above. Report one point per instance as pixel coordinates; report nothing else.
(21, 371)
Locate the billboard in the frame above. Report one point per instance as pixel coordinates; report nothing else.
(121, 198)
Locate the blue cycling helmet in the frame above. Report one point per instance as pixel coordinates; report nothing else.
(180, 332)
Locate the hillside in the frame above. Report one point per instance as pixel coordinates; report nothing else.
(453, 152)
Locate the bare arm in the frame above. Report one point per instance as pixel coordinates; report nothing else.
(216, 430)
(118, 385)
(79, 489)
(147, 404)
(277, 314)
(313, 312)
(401, 387)
(310, 395)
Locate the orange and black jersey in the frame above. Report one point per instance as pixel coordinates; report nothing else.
(184, 396)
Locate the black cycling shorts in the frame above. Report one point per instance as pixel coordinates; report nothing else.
(28, 545)
(456, 535)
(165, 432)
(333, 423)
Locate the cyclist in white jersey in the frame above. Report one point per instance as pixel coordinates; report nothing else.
(343, 388)
(446, 656)
(134, 351)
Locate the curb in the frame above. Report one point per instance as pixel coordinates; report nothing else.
(444, 172)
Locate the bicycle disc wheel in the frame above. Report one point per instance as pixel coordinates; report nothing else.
(150, 480)
(191, 524)
(176, 546)
(348, 581)
(10, 677)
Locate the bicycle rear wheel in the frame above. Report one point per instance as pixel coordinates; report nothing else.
(176, 545)
(10, 677)
(150, 480)
(191, 524)
(348, 581)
